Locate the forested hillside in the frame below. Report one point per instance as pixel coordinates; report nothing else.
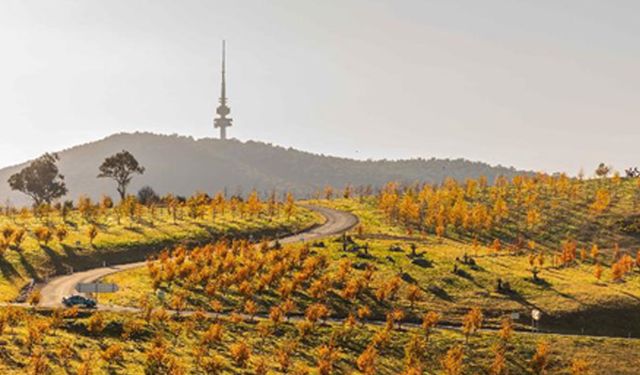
(183, 165)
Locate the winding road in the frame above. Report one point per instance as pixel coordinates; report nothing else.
(52, 292)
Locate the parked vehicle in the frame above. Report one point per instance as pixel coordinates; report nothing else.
(77, 300)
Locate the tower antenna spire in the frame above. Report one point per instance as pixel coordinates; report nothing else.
(223, 94)
(222, 121)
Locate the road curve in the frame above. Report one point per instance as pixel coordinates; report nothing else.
(52, 292)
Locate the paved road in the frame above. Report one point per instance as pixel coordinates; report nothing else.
(52, 292)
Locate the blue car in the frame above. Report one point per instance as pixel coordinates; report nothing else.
(77, 300)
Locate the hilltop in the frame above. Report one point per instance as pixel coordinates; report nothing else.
(183, 165)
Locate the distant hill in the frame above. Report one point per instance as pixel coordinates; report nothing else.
(183, 165)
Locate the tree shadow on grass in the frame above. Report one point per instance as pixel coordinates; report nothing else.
(540, 282)
(476, 267)
(137, 230)
(469, 277)
(69, 252)
(547, 286)
(209, 229)
(439, 292)
(519, 298)
(637, 298)
(55, 258)
(465, 275)
(407, 278)
(28, 267)
(71, 224)
(103, 228)
(7, 269)
(422, 263)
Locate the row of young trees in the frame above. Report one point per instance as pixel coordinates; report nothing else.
(56, 222)
(241, 272)
(211, 335)
(210, 341)
(570, 255)
(196, 206)
(13, 237)
(235, 278)
(474, 208)
(511, 215)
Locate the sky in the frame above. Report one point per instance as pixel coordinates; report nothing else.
(541, 85)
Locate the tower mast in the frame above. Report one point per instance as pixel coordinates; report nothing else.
(223, 91)
(222, 121)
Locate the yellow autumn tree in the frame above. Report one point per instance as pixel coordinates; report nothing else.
(540, 359)
(452, 362)
(471, 322)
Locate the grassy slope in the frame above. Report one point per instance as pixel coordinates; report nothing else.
(601, 307)
(571, 298)
(565, 212)
(128, 241)
(568, 290)
(182, 338)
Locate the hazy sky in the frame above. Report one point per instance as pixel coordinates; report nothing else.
(544, 85)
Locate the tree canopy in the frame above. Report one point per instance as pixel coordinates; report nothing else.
(603, 170)
(40, 180)
(147, 196)
(121, 167)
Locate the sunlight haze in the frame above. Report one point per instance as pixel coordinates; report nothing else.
(538, 85)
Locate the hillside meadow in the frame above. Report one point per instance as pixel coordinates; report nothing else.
(384, 275)
(153, 342)
(36, 244)
(434, 279)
